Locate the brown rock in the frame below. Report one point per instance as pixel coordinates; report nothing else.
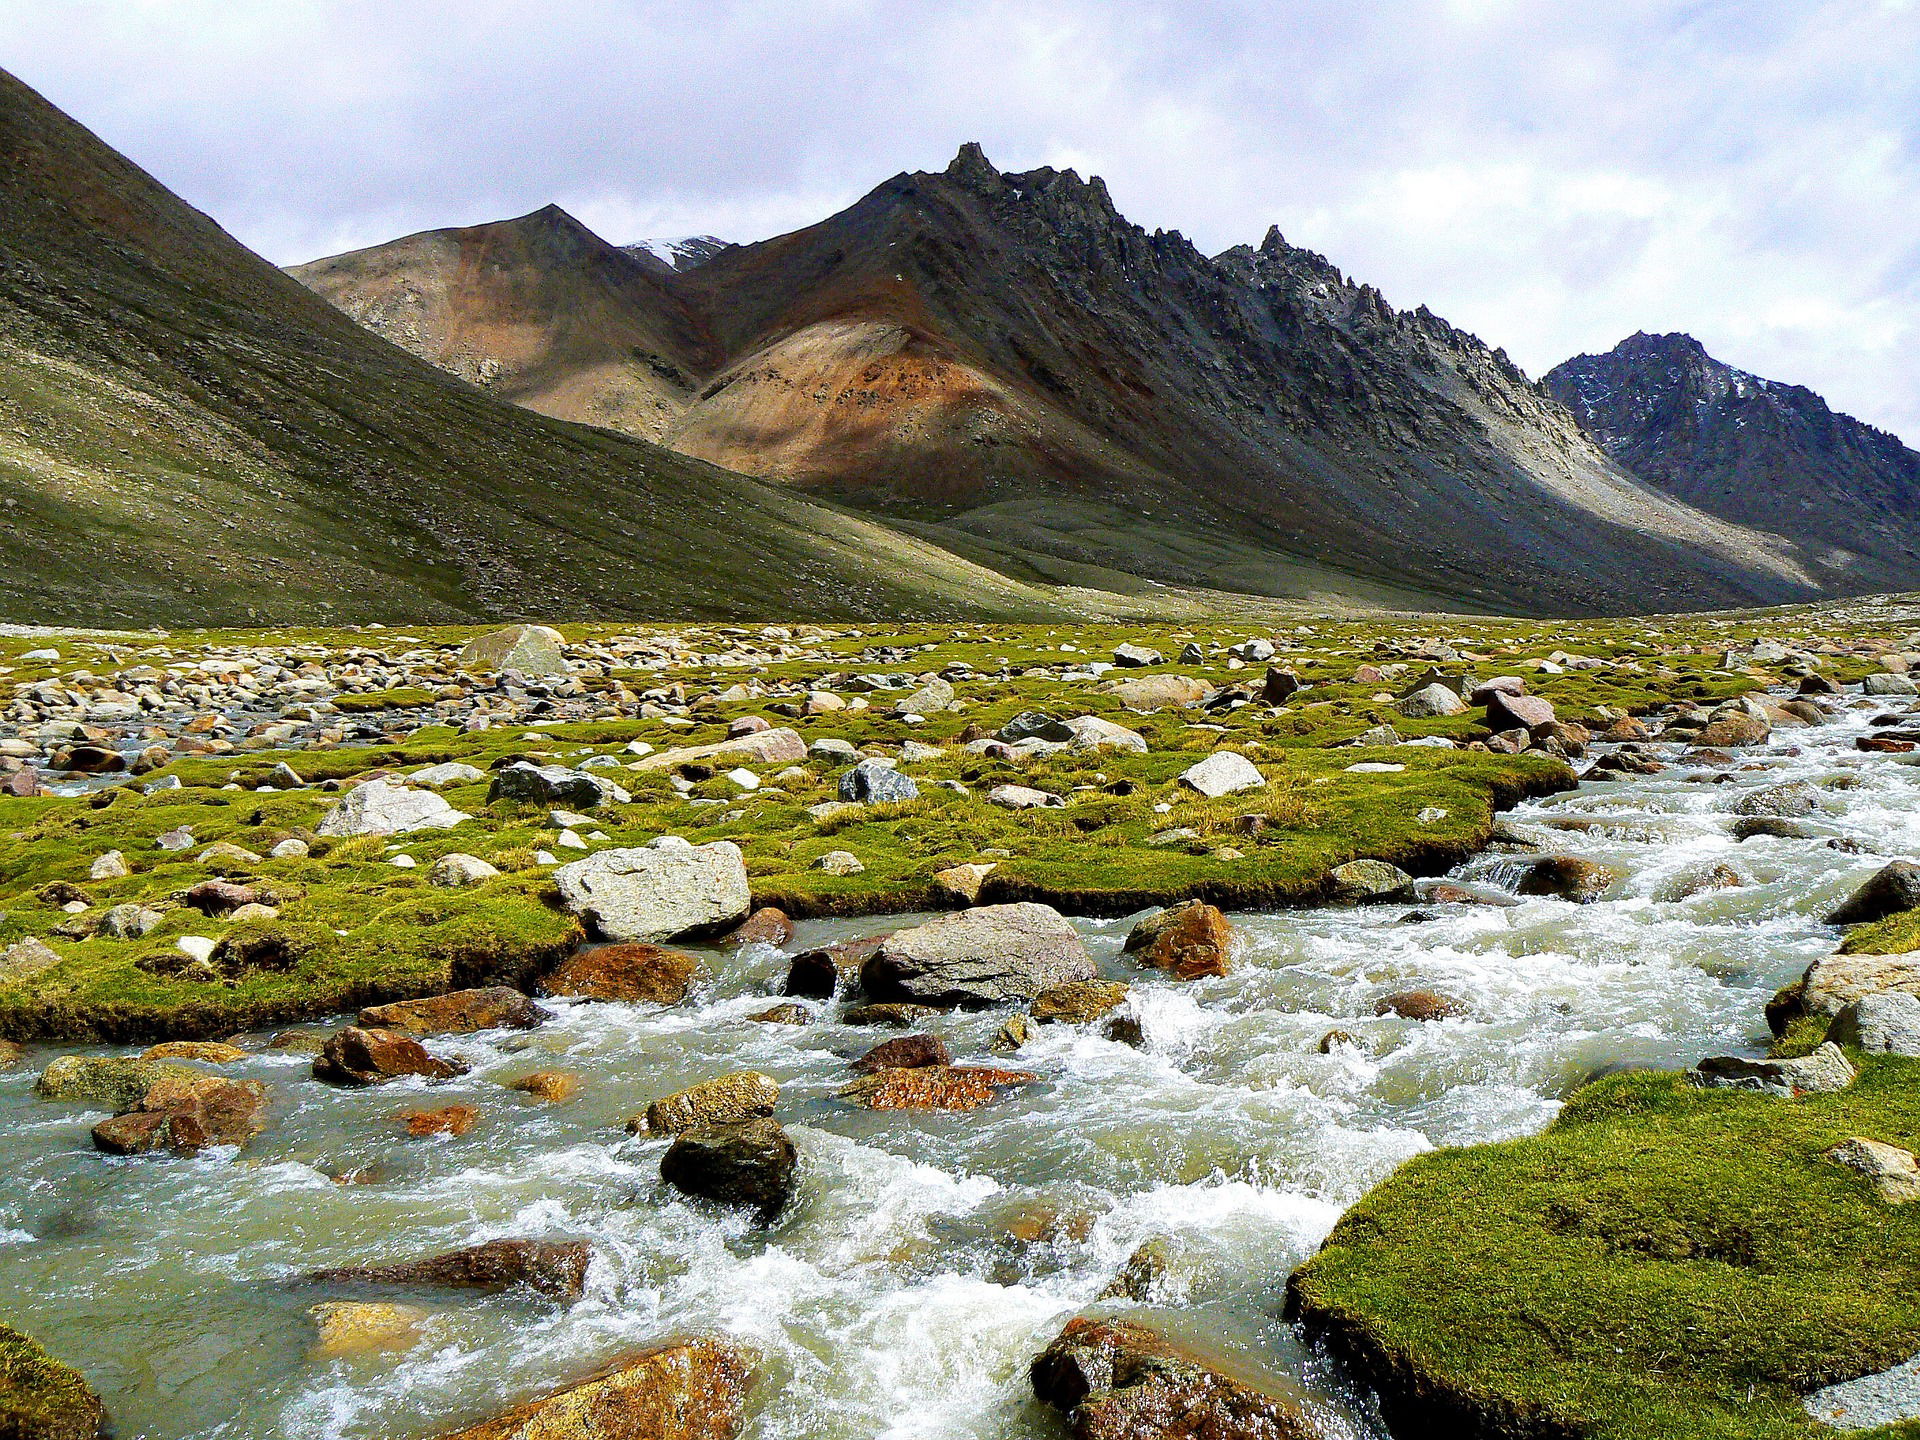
(629, 972)
(551, 1267)
(726, 1100)
(348, 1327)
(894, 1013)
(357, 1056)
(768, 925)
(1119, 1380)
(906, 1053)
(1187, 941)
(220, 897)
(556, 1087)
(784, 1015)
(11, 1053)
(497, 1007)
(818, 973)
(184, 1114)
(934, 1087)
(208, 1052)
(1726, 732)
(1517, 712)
(448, 1120)
(689, 1390)
(1567, 876)
(1419, 1005)
(750, 1163)
(1078, 1002)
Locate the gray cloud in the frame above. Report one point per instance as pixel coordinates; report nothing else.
(1549, 174)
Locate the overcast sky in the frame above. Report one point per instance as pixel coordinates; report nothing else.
(1550, 174)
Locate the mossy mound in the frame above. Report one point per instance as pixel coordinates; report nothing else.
(41, 1399)
(1662, 1262)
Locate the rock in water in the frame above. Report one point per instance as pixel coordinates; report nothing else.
(992, 955)
(658, 893)
(750, 1164)
(107, 1080)
(1893, 889)
(1788, 802)
(184, 1117)
(1516, 712)
(357, 1056)
(1188, 941)
(1359, 881)
(745, 1095)
(1567, 877)
(1078, 1002)
(550, 1267)
(628, 972)
(377, 808)
(1420, 1005)
(909, 1052)
(348, 1327)
(689, 1390)
(769, 925)
(461, 1012)
(41, 1399)
(1119, 1380)
(933, 1087)
(530, 649)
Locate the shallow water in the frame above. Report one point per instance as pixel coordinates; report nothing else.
(932, 1256)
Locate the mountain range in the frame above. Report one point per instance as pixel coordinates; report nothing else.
(969, 393)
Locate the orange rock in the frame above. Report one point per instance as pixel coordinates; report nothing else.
(934, 1087)
(1187, 941)
(553, 1086)
(451, 1120)
(693, 1390)
(629, 972)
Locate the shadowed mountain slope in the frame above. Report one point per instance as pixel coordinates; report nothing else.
(1003, 360)
(1756, 452)
(188, 435)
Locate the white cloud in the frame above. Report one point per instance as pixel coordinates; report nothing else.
(1547, 175)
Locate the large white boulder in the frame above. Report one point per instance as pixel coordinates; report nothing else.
(530, 649)
(1222, 773)
(377, 808)
(659, 892)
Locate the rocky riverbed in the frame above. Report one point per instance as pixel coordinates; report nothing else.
(1149, 1121)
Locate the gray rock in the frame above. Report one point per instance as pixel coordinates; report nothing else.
(992, 955)
(656, 894)
(1378, 735)
(1022, 797)
(1091, 733)
(530, 649)
(1826, 1069)
(178, 838)
(1787, 802)
(377, 808)
(554, 785)
(1887, 685)
(1222, 773)
(832, 748)
(1252, 651)
(129, 922)
(1884, 1024)
(24, 959)
(1894, 888)
(1036, 725)
(1135, 656)
(1430, 702)
(453, 772)
(931, 698)
(457, 871)
(110, 866)
(1360, 880)
(873, 782)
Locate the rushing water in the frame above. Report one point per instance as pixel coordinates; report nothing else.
(932, 1255)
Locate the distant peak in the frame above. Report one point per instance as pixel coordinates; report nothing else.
(971, 166)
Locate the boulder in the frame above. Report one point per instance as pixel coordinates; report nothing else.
(1834, 982)
(451, 772)
(818, 973)
(548, 1267)
(447, 1120)
(358, 1056)
(909, 1052)
(1895, 1172)
(992, 955)
(1225, 772)
(1886, 1023)
(629, 973)
(1117, 1379)
(1279, 686)
(458, 872)
(1431, 702)
(788, 1014)
(110, 866)
(1135, 657)
(184, 1115)
(769, 925)
(840, 862)
(1517, 712)
(555, 1087)
(26, 959)
(460, 1012)
(1022, 797)
(963, 882)
(1036, 725)
(129, 922)
(1826, 1069)
(1092, 734)
(900, 1016)
(214, 898)
(657, 893)
(1567, 877)
(207, 1052)
(931, 698)
(533, 650)
(726, 1100)
(377, 808)
(762, 747)
(1187, 941)
(112, 1082)
(1509, 685)
(874, 782)
(749, 1164)
(1359, 881)
(348, 1327)
(1078, 1002)
(1159, 692)
(1420, 1005)
(1893, 889)
(1791, 801)
(1887, 685)
(933, 1087)
(688, 1390)
(551, 785)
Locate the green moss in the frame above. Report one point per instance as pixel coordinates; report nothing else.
(1894, 935)
(407, 697)
(41, 1399)
(1662, 1262)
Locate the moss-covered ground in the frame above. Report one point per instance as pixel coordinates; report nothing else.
(353, 928)
(1662, 1262)
(41, 1399)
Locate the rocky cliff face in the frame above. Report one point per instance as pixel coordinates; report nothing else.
(1006, 358)
(1756, 452)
